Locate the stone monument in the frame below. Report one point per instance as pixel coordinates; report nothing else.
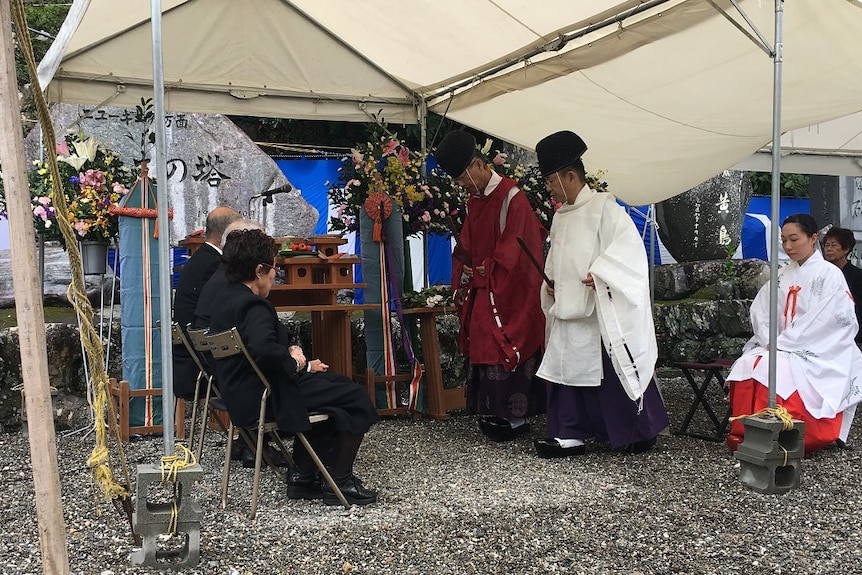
(706, 221)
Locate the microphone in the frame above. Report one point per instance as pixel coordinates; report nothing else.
(286, 188)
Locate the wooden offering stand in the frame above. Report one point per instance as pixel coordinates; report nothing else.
(311, 284)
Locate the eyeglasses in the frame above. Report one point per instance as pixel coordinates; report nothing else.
(832, 246)
(268, 266)
(464, 173)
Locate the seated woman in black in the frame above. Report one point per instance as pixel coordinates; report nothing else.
(837, 245)
(299, 386)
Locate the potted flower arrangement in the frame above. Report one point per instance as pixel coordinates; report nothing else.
(428, 202)
(93, 178)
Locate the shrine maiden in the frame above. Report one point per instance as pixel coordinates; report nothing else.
(818, 361)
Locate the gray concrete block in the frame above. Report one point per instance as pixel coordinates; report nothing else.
(183, 551)
(771, 477)
(151, 520)
(770, 457)
(765, 437)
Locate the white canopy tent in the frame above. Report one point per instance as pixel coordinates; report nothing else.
(832, 148)
(665, 92)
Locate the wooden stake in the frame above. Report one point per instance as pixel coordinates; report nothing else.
(31, 317)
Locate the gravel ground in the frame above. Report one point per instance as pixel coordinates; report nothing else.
(453, 503)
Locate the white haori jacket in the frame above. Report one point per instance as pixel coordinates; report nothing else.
(816, 354)
(596, 236)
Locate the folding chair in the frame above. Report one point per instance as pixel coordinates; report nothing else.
(200, 347)
(229, 343)
(179, 338)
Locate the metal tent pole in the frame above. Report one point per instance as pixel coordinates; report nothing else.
(164, 236)
(776, 187)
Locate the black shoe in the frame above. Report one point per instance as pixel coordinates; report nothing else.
(304, 485)
(639, 446)
(236, 451)
(842, 445)
(274, 455)
(351, 487)
(499, 429)
(549, 448)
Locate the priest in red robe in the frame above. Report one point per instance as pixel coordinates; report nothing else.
(497, 292)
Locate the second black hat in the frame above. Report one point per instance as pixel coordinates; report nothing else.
(558, 151)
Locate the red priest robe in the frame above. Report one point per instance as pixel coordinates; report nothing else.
(500, 313)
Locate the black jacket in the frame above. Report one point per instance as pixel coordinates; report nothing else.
(267, 341)
(193, 277)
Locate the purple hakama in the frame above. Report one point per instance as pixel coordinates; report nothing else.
(605, 413)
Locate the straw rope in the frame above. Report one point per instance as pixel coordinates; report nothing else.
(98, 386)
(170, 468)
(778, 412)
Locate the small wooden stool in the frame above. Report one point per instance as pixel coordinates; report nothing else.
(712, 371)
(121, 395)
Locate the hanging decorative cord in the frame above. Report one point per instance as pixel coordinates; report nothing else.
(98, 392)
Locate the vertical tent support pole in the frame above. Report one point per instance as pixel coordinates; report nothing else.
(164, 231)
(776, 187)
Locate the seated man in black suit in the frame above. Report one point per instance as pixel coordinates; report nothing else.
(195, 274)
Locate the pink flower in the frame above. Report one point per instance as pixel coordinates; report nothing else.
(44, 200)
(499, 159)
(390, 147)
(120, 189)
(39, 212)
(81, 228)
(92, 178)
(404, 156)
(62, 148)
(356, 156)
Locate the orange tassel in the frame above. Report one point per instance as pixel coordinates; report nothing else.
(377, 234)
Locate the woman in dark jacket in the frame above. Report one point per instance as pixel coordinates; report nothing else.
(298, 385)
(837, 245)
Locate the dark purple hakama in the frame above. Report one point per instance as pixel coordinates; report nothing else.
(493, 390)
(605, 413)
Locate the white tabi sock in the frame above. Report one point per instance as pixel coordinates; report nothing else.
(517, 421)
(569, 442)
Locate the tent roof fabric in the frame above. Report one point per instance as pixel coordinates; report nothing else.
(666, 93)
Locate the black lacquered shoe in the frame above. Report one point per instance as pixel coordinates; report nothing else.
(354, 492)
(499, 429)
(639, 446)
(549, 448)
(304, 485)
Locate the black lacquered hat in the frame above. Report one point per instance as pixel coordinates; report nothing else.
(455, 152)
(558, 151)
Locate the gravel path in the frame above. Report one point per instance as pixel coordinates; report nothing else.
(454, 503)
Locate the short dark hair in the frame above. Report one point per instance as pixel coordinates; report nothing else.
(244, 251)
(843, 236)
(578, 168)
(805, 222)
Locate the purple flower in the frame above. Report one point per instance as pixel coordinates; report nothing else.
(74, 180)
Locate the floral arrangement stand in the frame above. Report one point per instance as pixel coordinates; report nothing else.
(439, 399)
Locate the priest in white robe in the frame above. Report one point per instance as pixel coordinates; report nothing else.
(600, 341)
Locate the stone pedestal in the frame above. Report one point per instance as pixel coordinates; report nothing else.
(770, 457)
(152, 520)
